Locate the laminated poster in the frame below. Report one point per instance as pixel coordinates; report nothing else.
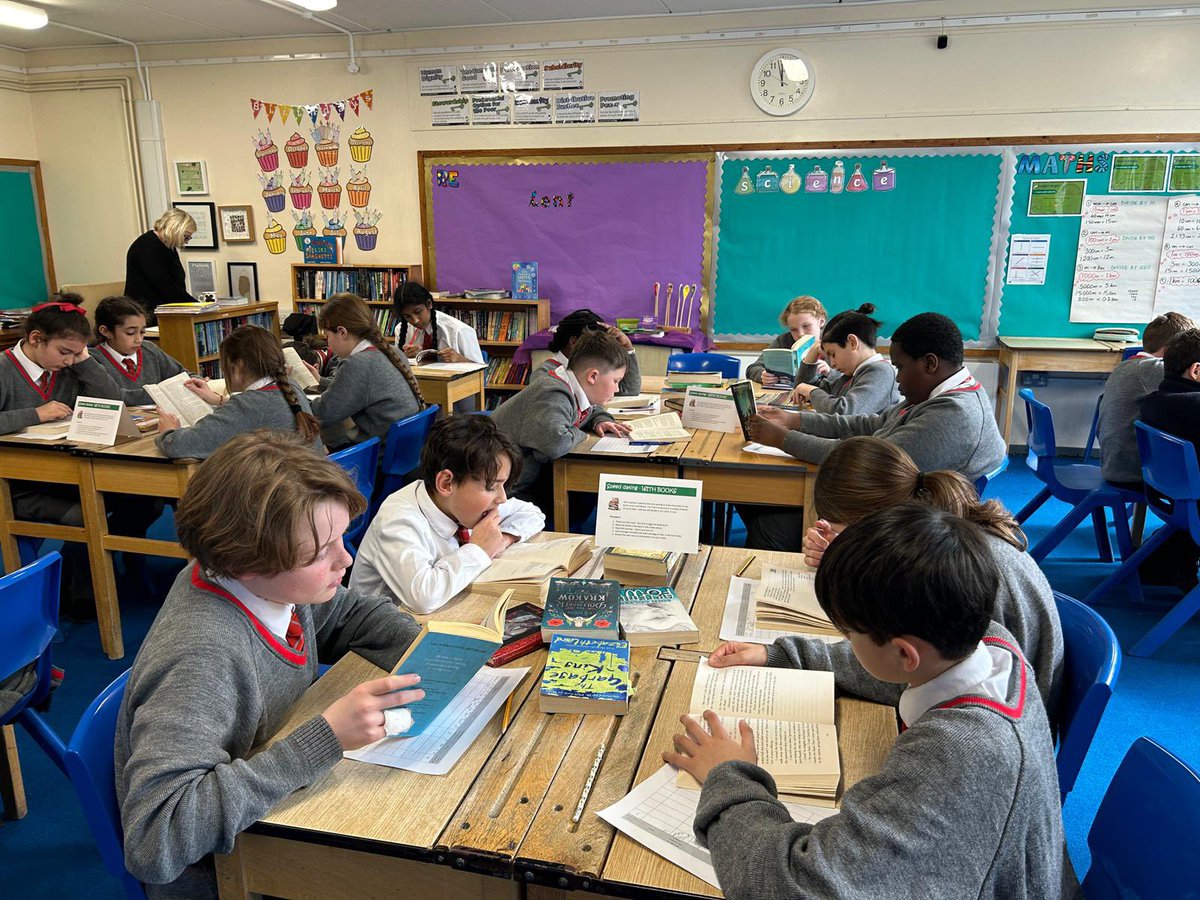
(520, 75)
(1028, 256)
(454, 111)
(492, 109)
(1179, 264)
(619, 107)
(1138, 173)
(574, 108)
(1116, 267)
(1185, 172)
(532, 110)
(562, 75)
(477, 78)
(438, 80)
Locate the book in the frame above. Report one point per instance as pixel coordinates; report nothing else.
(447, 655)
(665, 428)
(172, 396)
(322, 251)
(297, 371)
(522, 634)
(683, 380)
(425, 356)
(787, 599)
(654, 617)
(582, 607)
(629, 579)
(791, 712)
(643, 562)
(527, 567)
(784, 361)
(586, 675)
(636, 403)
(745, 405)
(190, 308)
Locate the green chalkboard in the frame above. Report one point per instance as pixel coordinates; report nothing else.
(28, 276)
(920, 236)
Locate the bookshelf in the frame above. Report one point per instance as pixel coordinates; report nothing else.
(195, 340)
(312, 285)
(502, 326)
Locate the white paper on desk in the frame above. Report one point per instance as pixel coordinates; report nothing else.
(611, 444)
(450, 366)
(764, 450)
(46, 431)
(738, 622)
(659, 815)
(446, 738)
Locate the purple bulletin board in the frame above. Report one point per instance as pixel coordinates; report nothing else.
(604, 234)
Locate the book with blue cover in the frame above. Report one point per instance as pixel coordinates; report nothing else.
(586, 675)
(322, 251)
(524, 280)
(447, 655)
(786, 362)
(582, 607)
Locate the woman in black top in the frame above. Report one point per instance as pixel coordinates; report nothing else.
(153, 272)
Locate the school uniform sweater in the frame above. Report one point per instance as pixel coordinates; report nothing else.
(150, 366)
(245, 411)
(1024, 606)
(1175, 409)
(955, 430)
(871, 389)
(210, 683)
(545, 420)
(966, 805)
(630, 386)
(1129, 383)
(20, 395)
(368, 389)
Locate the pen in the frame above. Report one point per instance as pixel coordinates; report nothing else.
(507, 714)
(745, 566)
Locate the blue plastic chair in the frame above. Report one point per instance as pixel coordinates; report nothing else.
(1143, 839)
(402, 453)
(1172, 477)
(1082, 486)
(985, 479)
(361, 461)
(728, 366)
(1091, 663)
(1131, 352)
(1093, 431)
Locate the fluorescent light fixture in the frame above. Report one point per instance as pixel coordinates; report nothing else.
(20, 15)
(314, 5)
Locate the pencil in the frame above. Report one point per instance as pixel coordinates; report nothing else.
(507, 714)
(745, 566)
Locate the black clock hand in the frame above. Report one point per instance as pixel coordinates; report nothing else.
(781, 81)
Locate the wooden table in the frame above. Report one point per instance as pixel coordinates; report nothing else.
(1031, 354)
(443, 387)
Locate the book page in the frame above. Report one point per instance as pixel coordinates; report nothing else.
(663, 427)
(638, 401)
(785, 749)
(297, 370)
(526, 561)
(791, 589)
(189, 408)
(796, 695)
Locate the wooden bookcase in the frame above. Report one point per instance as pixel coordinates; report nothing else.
(193, 340)
(374, 283)
(487, 317)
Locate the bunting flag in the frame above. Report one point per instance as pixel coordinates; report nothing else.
(322, 109)
(270, 110)
(368, 98)
(340, 106)
(256, 105)
(298, 112)
(285, 113)
(353, 101)
(313, 111)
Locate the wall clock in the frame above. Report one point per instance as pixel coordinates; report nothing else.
(782, 81)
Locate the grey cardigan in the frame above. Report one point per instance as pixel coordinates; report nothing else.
(245, 411)
(19, 398)
(630, 386)
(871, 389)
(153, 366)
(1130, 382)
(367, 388)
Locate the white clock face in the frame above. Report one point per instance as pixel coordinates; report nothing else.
(782, 82)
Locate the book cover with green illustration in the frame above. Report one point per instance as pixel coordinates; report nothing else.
(586, 675)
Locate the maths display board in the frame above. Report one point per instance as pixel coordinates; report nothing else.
(1131, 208)
(601, 229)
(28, 277)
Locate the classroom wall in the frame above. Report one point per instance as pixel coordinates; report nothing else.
(17, 139)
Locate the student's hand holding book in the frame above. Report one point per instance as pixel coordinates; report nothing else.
(737, 653)
(800, 393)
(699, 751)
(53, 411)
(200, 388)
(765, 431)
(357, 719)
(782, 417)
(166, 421)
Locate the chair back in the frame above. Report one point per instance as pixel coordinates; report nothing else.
(1091, 663)
(1131, 352)
(402, 453)
(1172, 477)
(1094, 430)
(728, 366)
(361, 461)
(1143, 839)
(29, 597)
(1040, 422)
(985, 479)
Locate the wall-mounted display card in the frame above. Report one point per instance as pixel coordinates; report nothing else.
(1179, 264)
(1028, 255)
(562, 75)
(454, 111)
(1138, 173)
(477, 78)
(574, 108)
(520, 75)
(492, 109)
(205, 216)
(191, 177)
(438, 80)
(531, 110)
(649, 513)
(1057, 198)
(618, 107)
(1116, 267)
(1185, 172)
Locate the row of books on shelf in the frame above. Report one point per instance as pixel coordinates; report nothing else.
(497, 325)
(210, 334)
(502, 370)
(385, 316)
(370, 284)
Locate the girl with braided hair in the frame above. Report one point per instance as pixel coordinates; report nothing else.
(261, 396)
(422, 327)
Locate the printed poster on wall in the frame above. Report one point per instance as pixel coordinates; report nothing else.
(562, 75)
(492, 109)
(1116, 267)
(520, 75)
(531, 110)
(574, 108)
(1185, 172)
(477, 78)
(1179, 264)
(454, 111)
(618, 107)
(438, 80)
(1028, 256)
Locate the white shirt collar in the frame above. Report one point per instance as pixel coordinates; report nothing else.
(559, 357)
(581, 399)
(275, 616)
(119, 356)
(985, 672)
(444, 526)
(31, 368)
(958, 379)
(261, 383)
(870, 361)
(361, 346)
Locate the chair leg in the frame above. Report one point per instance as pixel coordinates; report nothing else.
(12, 787)
(1100, 528)
(1168, 624)
(1129, 568)
(1033, 505)
(1125, 546)
(1060, 531)
(1139, 524)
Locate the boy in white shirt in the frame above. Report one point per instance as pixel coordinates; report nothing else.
(433, 537)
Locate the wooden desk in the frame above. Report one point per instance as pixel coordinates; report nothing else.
(1029, 354)
(443, 388)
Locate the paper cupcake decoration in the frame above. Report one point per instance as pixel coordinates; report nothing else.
(361, 143)
(273, 195)
(297, 151)
(303, 229)
(329, 190)
(335, 226)
(325, 142)
(275, 237)
(358, 189)
(265, 151)
(300, 190)
(365, 233)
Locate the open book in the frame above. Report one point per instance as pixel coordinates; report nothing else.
(787, 599)
(297, 371)
(527, 568)
(447, 655)
(176, 399)
(791, 713)
(786, 362)
(665, 428)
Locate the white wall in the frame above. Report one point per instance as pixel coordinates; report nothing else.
(17, 140)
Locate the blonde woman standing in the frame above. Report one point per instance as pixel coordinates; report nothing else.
(153, 271)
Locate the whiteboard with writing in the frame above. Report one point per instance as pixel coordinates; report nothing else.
(1116, 266)
(1179, 265)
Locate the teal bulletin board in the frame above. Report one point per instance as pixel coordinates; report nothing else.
(921, 232)
(28, 277)
(1045, 310)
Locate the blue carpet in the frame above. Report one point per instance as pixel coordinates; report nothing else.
(50, 853)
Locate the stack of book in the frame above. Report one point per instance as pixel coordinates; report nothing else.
(582, 607)
(642, 568)
(675, 386)
(522, 634)
(787, 599)
(502, 370)
(188, 308)
(527, 568)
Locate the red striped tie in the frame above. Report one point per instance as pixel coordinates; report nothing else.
(463, 536)
(130, 367)
(44, 381)
(295, 633)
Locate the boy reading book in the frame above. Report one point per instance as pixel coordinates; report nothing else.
(566, 335)
(435, 536)
(967, 802)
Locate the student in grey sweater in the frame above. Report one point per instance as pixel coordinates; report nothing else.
(372, 385)
(132, 361)
(230, 653)
(261, 395)
(967, 802)
(860, 381)
(802, 316)
(568, 332)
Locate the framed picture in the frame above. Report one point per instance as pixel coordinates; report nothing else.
(237, 224)
(205, 215)
(191, 178)
(243, 280)
(202, 277)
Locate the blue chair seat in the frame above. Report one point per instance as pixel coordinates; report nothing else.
(1080, 480)
(728, 366)
(403, 451)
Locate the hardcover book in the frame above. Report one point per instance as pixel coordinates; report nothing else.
(654, 617)
(525, 280)
(582, 607)
(522, 634)
(586, 675)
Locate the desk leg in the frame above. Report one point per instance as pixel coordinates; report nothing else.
(562, 503)
(482, 402)
(810, 504)
(8, 543)
(104, 583)
(231, 880)
(1010, 396)
(12, 788)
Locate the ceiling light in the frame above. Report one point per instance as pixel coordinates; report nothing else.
(19, 15)
(315, 5)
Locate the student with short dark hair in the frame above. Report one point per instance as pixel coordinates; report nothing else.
(238, 641)
(435, 536)
(967, 802)
(302, 334)
(860, 381)
(132, 361)
(567, 333)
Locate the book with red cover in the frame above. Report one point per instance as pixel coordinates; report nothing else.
(522, 634)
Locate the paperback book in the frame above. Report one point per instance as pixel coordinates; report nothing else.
(586, 675)
(582, 607)
(655, 617)
(528, 566)
(522, 634)
(787, 599)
